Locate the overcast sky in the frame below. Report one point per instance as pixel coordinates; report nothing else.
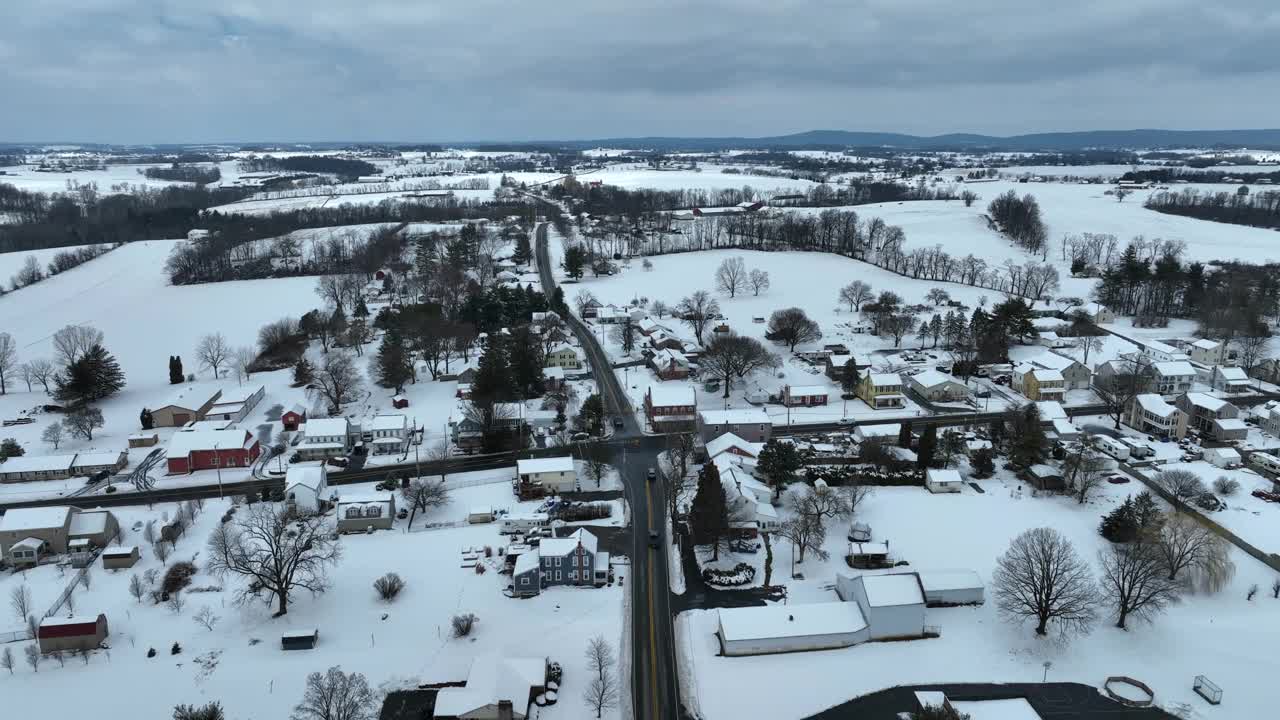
(136, 71)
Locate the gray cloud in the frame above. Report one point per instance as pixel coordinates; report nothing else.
(169, 70)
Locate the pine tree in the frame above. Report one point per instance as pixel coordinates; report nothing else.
(523, 252)
(904, 436)
(1120, 525)
(849, 379)
(1027, 438)
(935, 328)
(175, 370)
(362, 310)
(10, 448)
(303, 372)
(709, 513)
(94, 376)
(1146, 513)
(928, 445)
(982, 463)
(778, 463)
(146, 420)
(526, 363)
(493, 382)
(557, 301)
(574, 260)
(393, 366)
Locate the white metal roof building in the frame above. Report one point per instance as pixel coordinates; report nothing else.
(892, 604)
(943, 588)
(790, 628)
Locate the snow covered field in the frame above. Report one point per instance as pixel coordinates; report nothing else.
(397, 645)
(26, 178)
(12, 262)
(1215, 635)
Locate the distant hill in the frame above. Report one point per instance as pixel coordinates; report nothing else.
(1059, 141)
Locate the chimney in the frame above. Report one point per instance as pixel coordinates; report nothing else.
(504, 710)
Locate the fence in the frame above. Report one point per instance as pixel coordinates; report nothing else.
(75, 580)
(15, 636)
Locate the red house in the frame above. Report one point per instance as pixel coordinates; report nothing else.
(670, 408)
(208, 449)
(399, 402)
(294, 417)
(804, 395)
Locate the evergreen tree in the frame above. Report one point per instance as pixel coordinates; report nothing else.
(146, 420)
(1027, 441)
(493, 382)
(574, 261)
(849, 378)
(778, 463)
(709, 513)
(557, 301)
(175, 370)
(362, 310)
(94, 376)
(1146, 514)
(928, 446)
(935, 328)
(526, 363)
(393, 365)
(523, 252)
(591, 413)
(982, 463)
(303, 372)
(904, 436)
(1120, 525)
(10, 448)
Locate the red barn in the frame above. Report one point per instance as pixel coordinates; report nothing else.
(208, 449)
(294, 417)
(400, 402)
(57, 634)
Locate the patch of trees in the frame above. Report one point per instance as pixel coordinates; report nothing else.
(342, 167)
(1019, 219)
(184, 173)
(1239, 207)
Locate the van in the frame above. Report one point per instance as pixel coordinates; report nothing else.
(516, 524)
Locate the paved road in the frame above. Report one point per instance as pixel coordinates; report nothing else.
(1051, 701)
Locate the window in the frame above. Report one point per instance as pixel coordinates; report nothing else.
(573, 574)
(373, 511)
(524, 581)
(353, 513)
(557, 562)
(557, 575)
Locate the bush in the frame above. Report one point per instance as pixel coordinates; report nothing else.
(151, 652)
(177, 577)
(176, 649)
(463, 623)
(741, 574)
(212, 711)
(389, 586)
(1226, 486)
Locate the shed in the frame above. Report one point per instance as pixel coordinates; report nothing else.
(299, 639)
(1222, 457)
(944, 588)
(143, 439)
(294, 417)
(790, 628)
(120, 557)
(939, 480)
(892, 604)
(1046, 477)
(399, 402)
(71, 633)
(480, 514)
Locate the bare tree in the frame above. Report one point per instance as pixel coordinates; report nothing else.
(6, 659)
(32, 652)
(276, 552)
(213, 352)
(1118, 391)
(968, 197)
(162, 549)
(1083, 470)
(82, 421)
(659, 308)
(1087, 343)
(805, 533)
(937, 296)
(1041, 577)
(855, 294)
(583, 300)
(20, 601)
(73, 341)
(42, 371)
(731, 276)
(736, 356)
(791, 327)
(759, 280)
(422, 495)
(602, 691)
(336, 695)
(206, 618)
(176, 602)
(1189, 548)
(137, 588)
(1134, 581)
(595, 460)
(337, 380)
(242, 362)
(52, 434)
(1183, 485)
(697, 310)
(8, 360)
(820, 503)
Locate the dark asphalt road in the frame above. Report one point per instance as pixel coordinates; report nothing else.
(1051, 701)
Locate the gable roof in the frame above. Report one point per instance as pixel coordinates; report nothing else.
(736, 416)
(939, 475)
(1154, 404)
(933, 378)
(325, 427)
(788, 621)
(37, 518)
(182, 444)
(542, 465)
(882, 379)
(891, 590)
(311, 476)
(729, 440)
(1051, 410)
(491, 679)
(565, 545)
(1206, 401)
(1052, 361)
(1175, 368)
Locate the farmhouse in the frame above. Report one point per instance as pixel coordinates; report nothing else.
(556, 474)
(804, 395)
(190, 403)
(670, 408)
(209, 449)
(496, 688)
(294, 417)
(325, 438)
(790, 628)
(892, 604)
(26, 468)
(1037, 383)
(938, 386)
(573, 560)
(881, 390)
(1149, 413)
(564, 356)
(750, 424)
(388, 434)
(358, 512)
(235, 404)
(306, 487)
(63, 634)
(1075, 375)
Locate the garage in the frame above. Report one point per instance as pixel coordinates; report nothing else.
(790, 628)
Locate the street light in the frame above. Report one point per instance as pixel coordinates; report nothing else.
(218, 464)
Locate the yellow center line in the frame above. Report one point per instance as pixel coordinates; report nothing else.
(654, 710)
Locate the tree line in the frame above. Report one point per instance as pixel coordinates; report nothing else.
(1240, 207)
(184, 173)
(1019, 219)
(342, 167)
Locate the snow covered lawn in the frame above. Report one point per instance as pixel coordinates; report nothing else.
(1255, 520)
(1214, 635)
(395, 645)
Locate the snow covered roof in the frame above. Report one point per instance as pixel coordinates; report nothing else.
(1154, 404)
(297, 409)
(883, 379)
(743, 416)
(729, 440)
(869, 548)
(1064, 427)
(324, 427)
(939, 580)
(192, 397)
(120, 551)
(38, 463)
(1051, 410)
(356, 498)
(389, 422)
(526, 561)
(786, 621)
(311, 476)
(1175, 368)
(76, 620)
(1051, 361)
(1006, 709)
(1205, 344)
(563, 347)
(891, 590)
(89, 523)
(206, 425)
(1208, 402)
(1232, 373)
(544, 465)
(566, 545)
(806, 390)
(98, 458)
(553, 372)
(239, 394)
(38, 518)
(182, 444)
(1041, 470)
(863, 432)
(1231, 424)
(943, 476)
(1045, 374)
(671, 395)
(491, 679)
(666, 356)
(932, 378)
(28, 544)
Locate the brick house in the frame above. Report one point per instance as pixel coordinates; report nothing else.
(670, 364)
(670, 408)
(804, 395)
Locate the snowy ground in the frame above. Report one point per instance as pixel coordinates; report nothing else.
(26, 178)
(12, 262)
(1256, 521)
(1214, 635)
(395, 645)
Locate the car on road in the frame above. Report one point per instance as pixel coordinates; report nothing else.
(617, 423)
(653, 474)
(846, 421)
(654, 539)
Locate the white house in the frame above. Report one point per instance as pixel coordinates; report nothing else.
(730, 443)
(494, 685)
(1149, 413)
(745, 496)
(1173, 377)
(790, 628)
(325, 438)
(389, 434)
(556, 474)
(1075, 374)
(893, 605)
(1229, 379)
(1209, 352)
(306, 487)
(1097, 313)
(939, 480)
(564, 356)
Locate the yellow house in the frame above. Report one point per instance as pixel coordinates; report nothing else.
(564, 356)
(1039, 384)
(881, 390)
